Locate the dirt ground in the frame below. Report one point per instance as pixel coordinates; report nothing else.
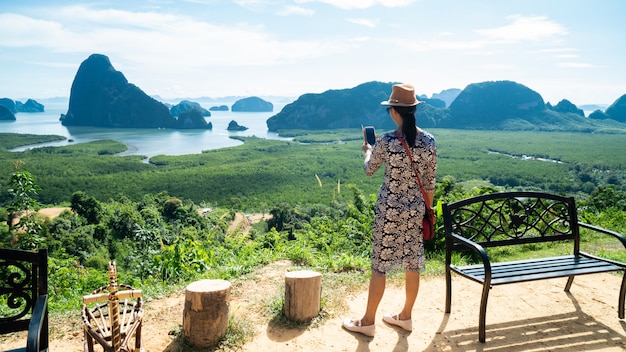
(52, 212)
(535, 316)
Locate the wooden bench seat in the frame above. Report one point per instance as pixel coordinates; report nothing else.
(475, 225)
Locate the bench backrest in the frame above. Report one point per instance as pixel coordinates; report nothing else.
(512, 218)
(23, 278)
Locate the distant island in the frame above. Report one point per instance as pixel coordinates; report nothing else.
(496, 105)
(252, 104)
(188, 105)
(234, 126)
(101, 96)
(14, 107)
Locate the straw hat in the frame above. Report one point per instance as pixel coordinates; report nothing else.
(402, 95)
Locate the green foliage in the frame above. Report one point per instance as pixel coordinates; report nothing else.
(165, 223)
(25, 229)
(606, 197)
(12, 140)
(262, 173)
(87, 207)
(323, 136)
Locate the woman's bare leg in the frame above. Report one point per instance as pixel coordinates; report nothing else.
(375, 294)
(412, 287)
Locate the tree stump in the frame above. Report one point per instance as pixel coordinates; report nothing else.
(303, 291)
(205, 317)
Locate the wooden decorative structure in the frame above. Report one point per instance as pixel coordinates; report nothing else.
(303, 291)
(112, 318)
(205, 316)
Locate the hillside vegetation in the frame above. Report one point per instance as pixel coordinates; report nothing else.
(166, 223)
(262, 172)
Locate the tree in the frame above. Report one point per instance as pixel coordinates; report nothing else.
(605, 197)
(282, 216)
(87, 207)
(23, 207)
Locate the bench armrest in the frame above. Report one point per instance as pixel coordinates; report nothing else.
(38, 326)
(475, 247)
(617, 235)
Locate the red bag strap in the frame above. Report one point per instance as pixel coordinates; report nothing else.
(408, 153)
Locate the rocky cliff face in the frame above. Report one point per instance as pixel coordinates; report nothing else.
(9, 104)
(192, 118)
(486, 104)
(617, 110)
(344, 108)
(6, 114)
(101, 96)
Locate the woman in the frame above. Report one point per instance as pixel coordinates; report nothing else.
(397, 234)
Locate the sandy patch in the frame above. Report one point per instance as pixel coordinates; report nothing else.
(536, 316)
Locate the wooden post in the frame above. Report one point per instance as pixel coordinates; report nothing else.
(303, 291)
(205, 317)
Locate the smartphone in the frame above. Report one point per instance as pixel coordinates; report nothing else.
(369, 135)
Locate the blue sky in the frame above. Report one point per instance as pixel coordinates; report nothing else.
(572, 49)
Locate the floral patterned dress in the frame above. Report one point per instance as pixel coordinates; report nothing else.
(400, 207)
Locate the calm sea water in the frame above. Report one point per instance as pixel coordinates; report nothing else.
(148, 142)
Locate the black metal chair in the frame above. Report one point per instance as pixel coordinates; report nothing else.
(24, 289)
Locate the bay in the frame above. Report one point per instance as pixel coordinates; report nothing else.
(144, 141)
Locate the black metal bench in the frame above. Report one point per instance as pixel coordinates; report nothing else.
(24, 293)
(476, 225)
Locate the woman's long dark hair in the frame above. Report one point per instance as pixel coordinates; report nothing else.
(409, 128)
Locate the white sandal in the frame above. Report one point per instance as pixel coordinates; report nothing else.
(355, 326)
(394, 319)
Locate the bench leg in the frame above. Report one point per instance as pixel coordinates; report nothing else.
(570, 280)
(622, 293)
(448, 290)
(483, 313)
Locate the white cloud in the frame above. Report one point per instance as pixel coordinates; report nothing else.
(495, 66)
(533, 28)
(364, 4)
(566, 56)
(363, 22)
(21, 31)
(557, 50)
(156, 40)
(70, 65)
(574, 65)
(296, 10)
(521, 29)
(251, 3)
(423, 45)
